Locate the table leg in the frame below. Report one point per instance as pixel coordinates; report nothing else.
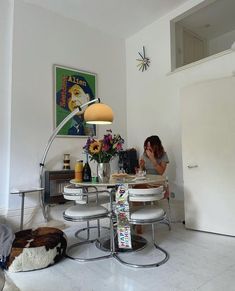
(22, 211)
(111, 244)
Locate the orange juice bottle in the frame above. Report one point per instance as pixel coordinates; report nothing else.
(78, 171)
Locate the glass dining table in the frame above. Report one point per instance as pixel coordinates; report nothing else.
(138, 242)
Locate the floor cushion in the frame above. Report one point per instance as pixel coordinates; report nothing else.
(36, 249)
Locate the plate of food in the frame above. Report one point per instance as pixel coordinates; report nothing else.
(137, 178)
(119, 175)
(122, 176)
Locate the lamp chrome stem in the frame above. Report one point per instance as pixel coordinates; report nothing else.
(52, 137)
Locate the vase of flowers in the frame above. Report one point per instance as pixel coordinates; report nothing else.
(102, 151)
(103, 172)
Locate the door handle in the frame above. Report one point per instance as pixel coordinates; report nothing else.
(192, 166)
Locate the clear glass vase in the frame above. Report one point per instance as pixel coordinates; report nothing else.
(103, 172)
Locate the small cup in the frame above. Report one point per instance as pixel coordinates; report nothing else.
(140, 173)
(94, 179)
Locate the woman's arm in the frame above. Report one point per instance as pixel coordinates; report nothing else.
(159, 167)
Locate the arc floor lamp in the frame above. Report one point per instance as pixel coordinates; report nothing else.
(95, 113)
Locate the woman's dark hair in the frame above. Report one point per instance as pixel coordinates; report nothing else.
(156, 145)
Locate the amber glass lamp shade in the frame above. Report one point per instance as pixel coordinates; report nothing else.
(98, 113)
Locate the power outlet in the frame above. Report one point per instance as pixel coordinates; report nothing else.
(172, 195)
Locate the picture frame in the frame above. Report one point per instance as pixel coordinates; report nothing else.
(73, 88)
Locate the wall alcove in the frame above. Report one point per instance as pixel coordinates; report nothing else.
(203, 31)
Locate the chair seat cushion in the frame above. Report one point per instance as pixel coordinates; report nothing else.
(85, 211)
(36, 249)
(147, 213)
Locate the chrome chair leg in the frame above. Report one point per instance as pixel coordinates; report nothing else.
(169, 208)
(166, 221)
(98, 227)
(112, 237)
(86, 213)
(88, 228)
(156, 264)
(153, 232)
(89, 241)
(85, 259)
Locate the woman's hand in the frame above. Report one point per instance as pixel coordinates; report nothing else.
(160, 167)
(149, 152)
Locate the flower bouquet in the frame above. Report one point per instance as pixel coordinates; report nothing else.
(103, 150)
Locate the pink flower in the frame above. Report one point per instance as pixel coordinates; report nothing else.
(105, 147)
(119, 147)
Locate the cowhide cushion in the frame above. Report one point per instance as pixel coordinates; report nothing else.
(36, 249)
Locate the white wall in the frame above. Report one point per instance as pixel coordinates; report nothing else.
(6, 8)
(153, 97)
(221, 43)
(42, 39)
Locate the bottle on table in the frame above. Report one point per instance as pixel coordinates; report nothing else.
(86, 174)
(78, 171)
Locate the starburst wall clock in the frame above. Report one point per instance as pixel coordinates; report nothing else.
(143, 62)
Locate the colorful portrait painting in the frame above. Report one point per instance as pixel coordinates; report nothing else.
(72, 89)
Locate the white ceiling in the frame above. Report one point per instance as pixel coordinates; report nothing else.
(118, 17)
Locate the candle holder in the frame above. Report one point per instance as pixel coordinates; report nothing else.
(66, 162)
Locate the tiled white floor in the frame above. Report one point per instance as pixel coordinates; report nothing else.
(198, 261)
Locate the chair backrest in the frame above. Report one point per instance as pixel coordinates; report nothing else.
(71, 192)
(156, 185)
(146, 194)
(85, 195)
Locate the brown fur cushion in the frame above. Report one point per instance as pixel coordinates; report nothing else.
(36, 249)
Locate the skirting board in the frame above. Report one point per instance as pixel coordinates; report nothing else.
(33, 217)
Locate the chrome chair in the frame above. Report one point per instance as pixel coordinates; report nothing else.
(86, 213)
(84, 195)
(147, 214)
(166, 195)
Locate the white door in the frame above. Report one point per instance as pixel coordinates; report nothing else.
(208, 149)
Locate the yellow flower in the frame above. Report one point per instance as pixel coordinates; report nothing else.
(95, 147)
